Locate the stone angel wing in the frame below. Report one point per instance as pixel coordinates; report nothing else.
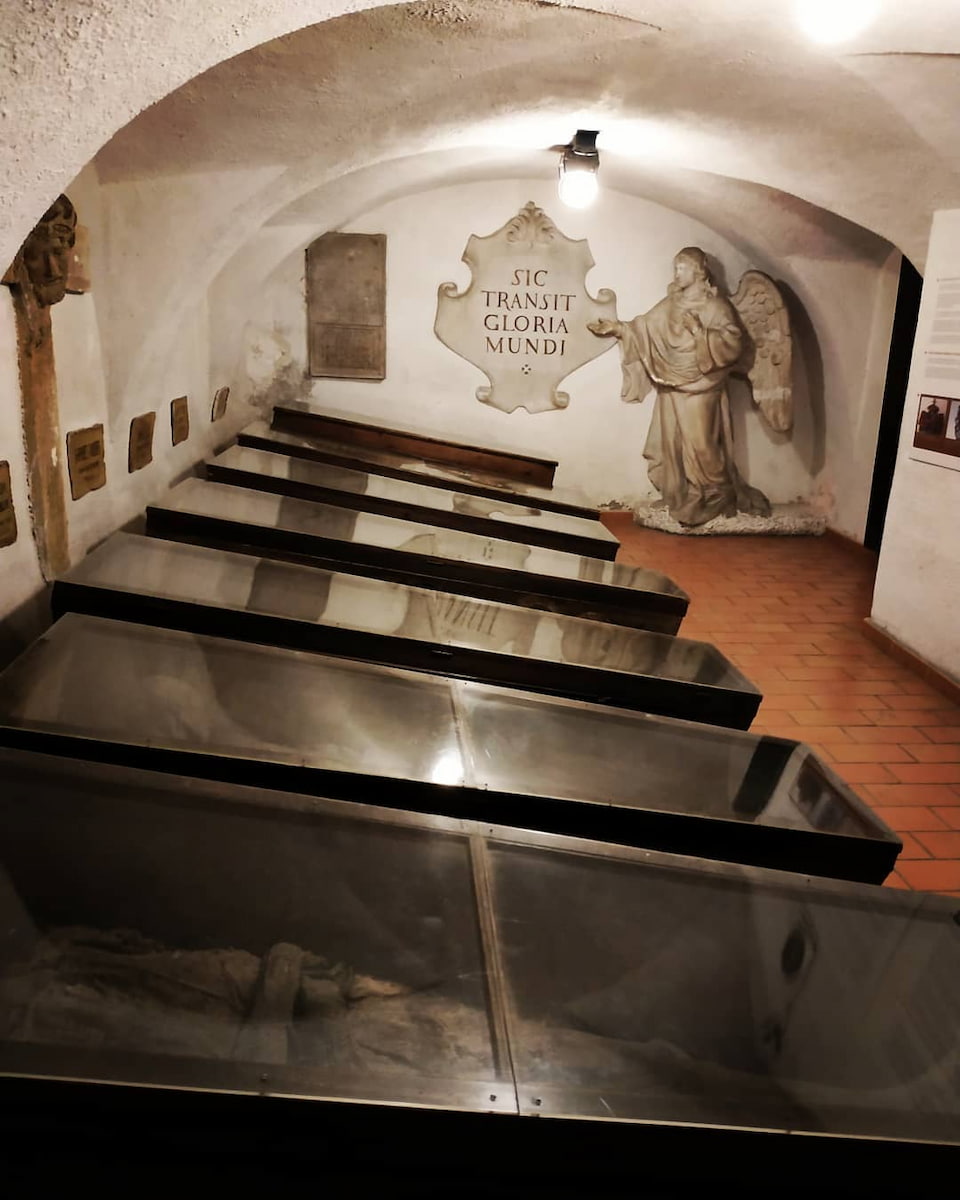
(768, 354)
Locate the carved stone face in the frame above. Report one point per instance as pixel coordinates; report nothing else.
(46, 252)
(685, 271)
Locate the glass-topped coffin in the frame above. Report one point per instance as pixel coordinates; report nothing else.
(395, 465)
(493, 460)
(368, 492)
(207, 590)
(188, 934)
(282, 718)
(422, 555)
(174, 932)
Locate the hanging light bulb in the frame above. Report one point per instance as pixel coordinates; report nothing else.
(579, 164)
(834, 21)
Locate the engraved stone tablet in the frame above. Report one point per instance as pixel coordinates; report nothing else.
(85, 460)
(523, 319)
(220, 398)
(346, 306)
(179, 419)
(8, 517)
(140, 451)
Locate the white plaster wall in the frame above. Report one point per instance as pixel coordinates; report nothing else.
(918, 578)
(92, 347)
(83, 401)
(598, 440)
(122, 351)
(849, 304)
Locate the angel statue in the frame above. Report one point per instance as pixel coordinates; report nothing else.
(685, 347)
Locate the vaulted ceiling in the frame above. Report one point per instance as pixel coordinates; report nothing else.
(701, 103)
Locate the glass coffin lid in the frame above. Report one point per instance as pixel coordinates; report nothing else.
(171, 932)
(394, 465)
(687, 992)
(493, 460)
(423, 555)
(175, 933)
(207, 590)
(368, 492)
(200, 705)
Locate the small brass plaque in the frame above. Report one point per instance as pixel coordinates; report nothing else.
(8, 516)
(180, 419)
(140, 451)
(85, 461)
(220, 398)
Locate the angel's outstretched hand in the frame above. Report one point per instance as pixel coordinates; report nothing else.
(604, 328)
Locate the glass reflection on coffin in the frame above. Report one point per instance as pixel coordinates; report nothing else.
(603, 772)
(407, 467)
(139, 922)
(191, 934)
(137, 571)
(662, 994)
(277, 471)
(199, 502)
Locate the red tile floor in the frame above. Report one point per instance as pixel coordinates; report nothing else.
(788, 611)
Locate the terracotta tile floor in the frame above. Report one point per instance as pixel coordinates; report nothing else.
(788, 611)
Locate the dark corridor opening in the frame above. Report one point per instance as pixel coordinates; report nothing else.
(894, 395)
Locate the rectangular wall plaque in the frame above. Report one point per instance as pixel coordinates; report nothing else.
(8, 516)
(85, 460)
(179, 419)
(140, 451)
(220, 398)
(346, 305)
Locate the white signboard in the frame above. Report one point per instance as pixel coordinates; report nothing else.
(936, 434)
(523, 319)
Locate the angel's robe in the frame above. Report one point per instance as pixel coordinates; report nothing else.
(689, 448)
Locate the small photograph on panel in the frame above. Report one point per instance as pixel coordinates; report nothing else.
(932, 417)
(953, 421)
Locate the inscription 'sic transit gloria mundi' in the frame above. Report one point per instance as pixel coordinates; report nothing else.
(523, 318)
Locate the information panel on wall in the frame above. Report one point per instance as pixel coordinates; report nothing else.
(936, 434)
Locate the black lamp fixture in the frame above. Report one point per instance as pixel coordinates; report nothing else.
(579, 164)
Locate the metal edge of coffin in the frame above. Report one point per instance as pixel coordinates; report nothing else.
(688, 701)
(781, 848)
(334, 455)
(511, 465)
(531, 535)
(375, 1149)
(654, 611)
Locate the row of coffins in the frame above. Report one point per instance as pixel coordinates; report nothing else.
(312, 797)
(237, 711)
